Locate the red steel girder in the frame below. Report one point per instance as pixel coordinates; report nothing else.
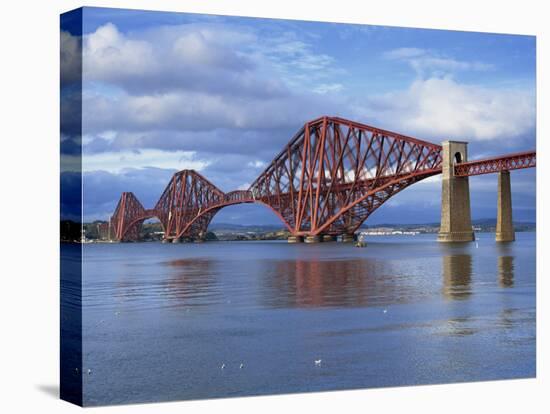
(325, 178)
(128, 217)
(507, 162)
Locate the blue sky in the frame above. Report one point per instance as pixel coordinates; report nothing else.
(168, 91)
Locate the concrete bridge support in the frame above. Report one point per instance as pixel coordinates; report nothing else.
(313, 239)
(505, 228)
(347, 238)
(295, 239)
(456, 222)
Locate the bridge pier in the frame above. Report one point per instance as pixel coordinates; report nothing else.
(295, 239)
(176, 240)
(328, 238)
(456, 222)
(313, 239)
(505, 228)
(347, 238)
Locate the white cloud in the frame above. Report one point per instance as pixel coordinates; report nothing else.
(206, 58)
(244, 186)
(295, 61)
(109, 55)
(444, 109)
(428, 62)
(297, 53)
(325, 88)
(257, 164)
(404, 53)
(116, 162)
(198, 77)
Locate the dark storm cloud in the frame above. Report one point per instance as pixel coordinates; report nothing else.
(71, 196)
(70, 59)
(253, 144)
(247, 213)
(102, 190)
(71, 118)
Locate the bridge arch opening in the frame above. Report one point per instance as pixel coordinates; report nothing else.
(244, 220)
(147, 228)
(151, 229)
(458, 157)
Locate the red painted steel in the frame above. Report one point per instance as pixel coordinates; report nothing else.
(328, 179)
(127, 218)
(334, 173)
(508, 162)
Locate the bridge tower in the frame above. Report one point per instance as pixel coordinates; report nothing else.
(456, 222)
(505, 228)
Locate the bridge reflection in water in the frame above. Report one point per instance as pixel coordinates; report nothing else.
(190, 282)
(299, 283)
(307, 283)
(457, 276)
(506, 271)
(338, 283)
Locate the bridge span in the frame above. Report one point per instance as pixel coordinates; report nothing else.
(331, 176)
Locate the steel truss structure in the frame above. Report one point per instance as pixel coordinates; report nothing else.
(492, 165)
(331, 176)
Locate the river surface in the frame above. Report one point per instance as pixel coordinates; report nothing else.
(222, 319)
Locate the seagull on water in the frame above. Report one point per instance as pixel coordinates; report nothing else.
(241, 366)
(318, 362)
(223, 366)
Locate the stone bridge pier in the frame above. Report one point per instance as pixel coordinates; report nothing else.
(456, 221)
(505, 228)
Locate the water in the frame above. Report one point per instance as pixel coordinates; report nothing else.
(160, 320)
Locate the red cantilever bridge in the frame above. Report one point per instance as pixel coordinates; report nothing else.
(331, 176)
